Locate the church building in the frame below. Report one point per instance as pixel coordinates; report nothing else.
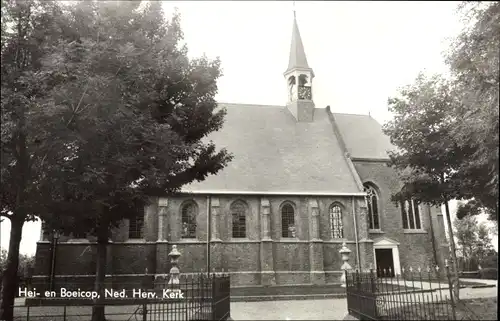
(303, 181)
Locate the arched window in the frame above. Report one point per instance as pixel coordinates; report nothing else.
(287, 221)
(189, 212)
(302, 80)
(373, 207)
(239, 215)
(411, 215)
(135, 227)
(336, 222)
(291, 88)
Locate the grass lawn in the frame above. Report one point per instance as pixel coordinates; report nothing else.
(471, 309)
(478, 309)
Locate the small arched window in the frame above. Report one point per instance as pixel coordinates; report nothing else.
(411, 215)
(189, 212)
(239, 216)
(372, 203)
(302, 80)
(336, 226)
(287, 221)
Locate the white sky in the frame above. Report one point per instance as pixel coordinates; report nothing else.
(361, 52)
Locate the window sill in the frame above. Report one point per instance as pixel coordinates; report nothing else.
(135, 241)
(338, 239)
(75, 240)
(240, 240)
(289, 238)
(419, 231)
(186, 240)
(378, 231)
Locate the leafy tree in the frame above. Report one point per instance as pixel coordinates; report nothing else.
(427, 157)
(28, 28)
(466, 233)
(133, 112)
(470, 208)
(3, 260)
(484, 246)
(474, 62)
(447, 131)
(473, 239)
(25, 262)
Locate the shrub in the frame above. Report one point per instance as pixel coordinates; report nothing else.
(489, 273)
(470, 275)
(490, 261)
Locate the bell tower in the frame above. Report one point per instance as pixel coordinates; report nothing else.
(299, 78)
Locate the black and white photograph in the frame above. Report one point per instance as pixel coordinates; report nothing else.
(249, 160)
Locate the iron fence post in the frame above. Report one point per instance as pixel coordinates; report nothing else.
(144, 312)
(214, 298)
(372, 282)
(450, 286)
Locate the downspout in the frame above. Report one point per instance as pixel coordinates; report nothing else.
(356, 234)
(209, 229)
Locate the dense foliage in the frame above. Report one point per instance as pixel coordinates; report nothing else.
(473, 242)
(446, 130)
(102, 109)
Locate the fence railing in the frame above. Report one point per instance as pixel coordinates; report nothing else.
(196, 297)
(414, 294)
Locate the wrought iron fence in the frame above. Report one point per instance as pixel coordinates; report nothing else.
(200, 296)
(414, 294)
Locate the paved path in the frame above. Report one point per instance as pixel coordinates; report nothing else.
(425, 285)
(493, 282)
(322, 309)
(333, 309)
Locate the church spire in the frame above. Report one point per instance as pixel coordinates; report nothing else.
(298, 77)
(297, 53)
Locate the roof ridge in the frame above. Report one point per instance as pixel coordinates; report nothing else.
(351, 114)
(253, 105)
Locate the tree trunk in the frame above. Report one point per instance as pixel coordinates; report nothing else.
(456, 281)
(9, 279)
(98, 311)
(433, 240)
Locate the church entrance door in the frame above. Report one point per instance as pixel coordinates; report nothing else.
(384, 261)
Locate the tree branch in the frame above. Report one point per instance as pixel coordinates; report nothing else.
(9, 216)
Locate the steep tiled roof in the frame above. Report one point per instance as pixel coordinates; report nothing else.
(275, 153)
(363, 136)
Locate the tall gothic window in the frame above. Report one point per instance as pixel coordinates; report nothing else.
(189, 212)
(411, 215)
(135, 227)
(336, 226)
(239, 215)
(287, 221)
(373, 207)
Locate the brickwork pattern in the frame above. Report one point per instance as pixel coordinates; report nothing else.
(290, 260)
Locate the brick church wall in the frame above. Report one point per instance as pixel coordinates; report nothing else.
(415, 248)
(290, 258)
